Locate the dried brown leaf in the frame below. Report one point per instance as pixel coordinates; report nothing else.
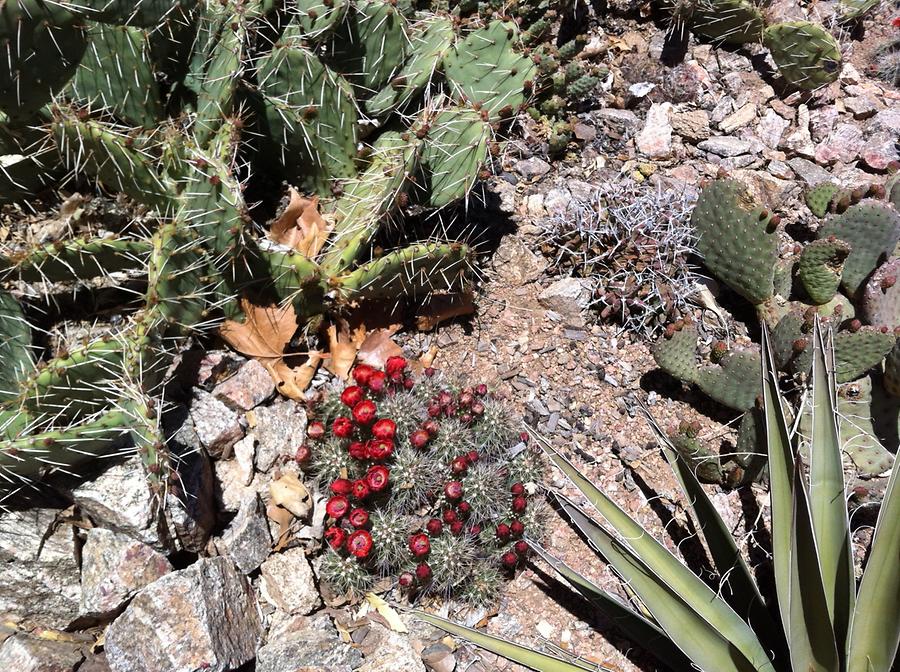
(442, 307)
(378, 346)
(265, 331)
(301, 226)
(342, 348)
(289, 493)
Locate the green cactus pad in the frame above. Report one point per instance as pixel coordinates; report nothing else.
(819, 197)
(317, 19)
(891, 380)
(15, 347)
(858, 428)
(311, 114)
(703, 461)
(881, 297)
(486, 70)
(296, 279)
(453, 154)
(733, 382)
(736, 239)
(728, 21)
(792, 331)
(855, 353)
(806, 54)
(676, 354)
(430, 40)
(42, 46)
(820, 268)
(138, 13)
(77, 259)
(872, 229)
(783, 278)
(177, 284)
(116, 73)
(370, 46)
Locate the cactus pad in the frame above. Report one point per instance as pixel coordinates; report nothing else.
(856, 352)
(15, 347)
(453, 154)
(704, 462)
(737, 239)
(820, 268)
(858, 428)
(891, 380)
(881, 297)
(806, 54)
(819, 197)
(729, 21)
(676, 353)
(734, 381)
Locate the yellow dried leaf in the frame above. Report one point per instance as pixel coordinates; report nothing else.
(289, 493)
(392, 617)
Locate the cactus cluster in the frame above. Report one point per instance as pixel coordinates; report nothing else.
(806, 54)
(433, 491)
(187, 107)
(846, 277)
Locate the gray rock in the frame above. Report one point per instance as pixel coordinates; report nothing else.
(808, 171)
(723, 108)
(95, 662)
(692, 125)
(190, 505)
(393, 652)
(119, 499)
(771, 128)
(781, 170)
(230, 487)
(887, 120)
(307, 644)
(288, 583)
(842, 144)
(800, 141)
(248, 388)
(862, 107)
(567, 296)
(880, 149)
(280, 428)
(203, 617)
(217, 426)
(39, 576)
(247, 539)
(245, 456)
(726, 146)
(621, 121)
(21, 653)
(533, 167)
(655, 138)
(439, 658)
(114, 567)
(822, 121)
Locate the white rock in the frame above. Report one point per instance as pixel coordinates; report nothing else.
(655, 138)
(288, 584)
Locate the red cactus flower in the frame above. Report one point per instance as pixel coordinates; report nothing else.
(465, 399)
(408, 383)
(360, 489)
(521, 547)
(473, 456)
(523, 437)
(419, 438)
(342, 427)
(315, 430)
(394, 365)
(419, 545)
(459, 465)
(464, 509)
(380, 449)
(517, 527)
(342, 486)
(434, 527)
(896, 22)
(509, 558)
(423, 572)
(384, 429)
(352, 395)
(456, 528)
(360, 544)
(449, 516)
(503, 531)
(377, 381)
(377, 477)
(359, 450)
(364, 412)
(335, 536)
(517, 489)
(519, 504)
(466, 418)
(337, 506)
(434, 409)
(481, 390)
(362, 373)
(359, 518)
(453, 490)
(445, 398)
(430, 371)
(303, 454)
(475, 530)
(477, 409)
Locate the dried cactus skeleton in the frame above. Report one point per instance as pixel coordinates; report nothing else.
(184, 106)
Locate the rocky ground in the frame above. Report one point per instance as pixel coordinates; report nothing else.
(226, 577)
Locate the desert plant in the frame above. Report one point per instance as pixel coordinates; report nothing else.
(441, 506)
(184, 106)
(822, 620)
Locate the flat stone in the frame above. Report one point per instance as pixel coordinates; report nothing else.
(620, 120)
(887, 120)
(771, 128)
(567, 296)
(783, 109)
(800, 141)
(393, 652)
(21, 653)
(248, 388)
(307, 645)
(229, 485)
(200, 618)
(862, 107)
(288, 583)
(280, 428)
(532, 168)
(247, 539)
(808, 171)
(114, 567)
(655, 138)
(723, 108)
(842, 144)
(780, 170)
(39, 575)
(880, 150)
(741, 117)
(217, 426)
(692, 125)
(725, 146)
(584, 132)
(439, 658)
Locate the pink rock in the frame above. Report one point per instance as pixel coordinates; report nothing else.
(247, 388)
(655, 139)
(842, 144)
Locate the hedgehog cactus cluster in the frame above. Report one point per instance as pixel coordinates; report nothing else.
(429, 484)
(847, 277)
(188, 106)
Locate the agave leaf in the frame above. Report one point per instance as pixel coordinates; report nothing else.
(781, 477)
(517, 653)
(811, 641)
(700, 640)
(634, 625)
(657, 558)
(827, 498)
(875, 626)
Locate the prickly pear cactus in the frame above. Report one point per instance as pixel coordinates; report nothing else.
(806, 54)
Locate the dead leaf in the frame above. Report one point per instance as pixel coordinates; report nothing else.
(427, 359)
(442, 307)
(283, 518)
(289, 493)
(378, 346)
(343, 346)
(301, 226)
(293, 381)
(264, 332)
(392, 618)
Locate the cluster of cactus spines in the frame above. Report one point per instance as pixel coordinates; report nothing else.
(846, 278)
(885, 63)
(154, 100)
(433, 508)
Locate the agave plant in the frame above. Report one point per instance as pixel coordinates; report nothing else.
(820, 619)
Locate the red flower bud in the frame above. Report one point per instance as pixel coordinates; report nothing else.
(315, 430)
(362, 373)
(481, 390)
(419, 545)
(519, 504)
(359, 450)
(459, 465)
(517, 489)
(423, 572)
(517, 527)
(384, 429)
(430, 371)
(364, 412)
(394, 365)
(434, 527)
(473, 456)
(449, 516)
(509, 559)
(453, 490)
(352, 395)
(419, 438)
(521, 547)
(464, 509)
(502, 531)
(335, 536)
(376, 381)
(342, 486)
(431, 426)
(342, 427)
(406, 579)
(303, 454)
